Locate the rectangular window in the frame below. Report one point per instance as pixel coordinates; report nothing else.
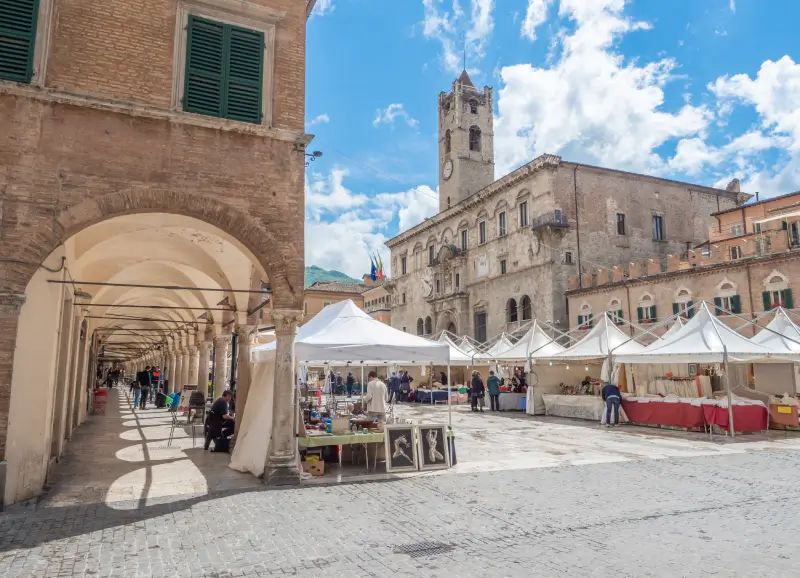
(18, 20)
(782, 298)
(736, 252)
(757, 227)
(618, 317)
(725, 305)
(458, 281)
(737, 230)
(404, 298)
(502, 266)
(646, 314)
(405, 330)
(501, 224)
(658, 228)
(585, 321)
(620, 223)
(224, 70)
(464, 240)
(482, 232)
(402, 265)
(568, 258)
(683, 308)
(523, 214)
(430, 254)
(480, 327)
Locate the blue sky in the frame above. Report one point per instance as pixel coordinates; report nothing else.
(702, 90)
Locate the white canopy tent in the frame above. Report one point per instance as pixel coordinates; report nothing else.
(340, 333)
(502, 344)
(534, 344)
(457, 355)
(781, 336)
(603, 339)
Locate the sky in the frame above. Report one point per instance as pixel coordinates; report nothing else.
(695, 90)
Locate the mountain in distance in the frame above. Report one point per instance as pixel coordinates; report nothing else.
(315, 274)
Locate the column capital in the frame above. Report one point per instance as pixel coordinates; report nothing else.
(11, 303)
(286, 320)
(221, 339)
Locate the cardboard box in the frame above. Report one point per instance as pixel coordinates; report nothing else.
(314, 467)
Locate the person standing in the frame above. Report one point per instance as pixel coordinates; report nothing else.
(478, 390)
(375, 397)
(612, 397)
(349, 383)
(145, 379)
(405, 385)
(394, 388)
(493, 383)
(136, 390)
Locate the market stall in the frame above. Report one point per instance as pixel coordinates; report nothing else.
(704, 339)
(340, 334)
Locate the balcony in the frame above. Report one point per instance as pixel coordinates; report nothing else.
(554, 220)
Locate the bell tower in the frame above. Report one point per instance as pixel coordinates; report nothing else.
(466, 141)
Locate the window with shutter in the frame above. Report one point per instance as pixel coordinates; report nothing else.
(17, 38)
(224, 70)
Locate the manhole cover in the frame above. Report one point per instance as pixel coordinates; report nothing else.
(424, 549)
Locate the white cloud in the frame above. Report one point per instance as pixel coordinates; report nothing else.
(732, 5)
(457, 31)
(319, 119)
(344, 228)
(692, 155)
(392, 112)
(535, 16)
(323, 7)
(590, 104)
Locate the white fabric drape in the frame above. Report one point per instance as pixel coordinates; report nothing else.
(252, 440)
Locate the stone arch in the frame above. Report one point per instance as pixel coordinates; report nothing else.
(428, 325)
(526, 307)
(277, 259)
(420, 326)
(512, 315)
(446, 321)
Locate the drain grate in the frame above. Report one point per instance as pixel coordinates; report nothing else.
(424, 549)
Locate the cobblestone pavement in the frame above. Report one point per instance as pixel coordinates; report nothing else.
(621, 502)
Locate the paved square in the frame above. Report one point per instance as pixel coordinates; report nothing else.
(529, 497)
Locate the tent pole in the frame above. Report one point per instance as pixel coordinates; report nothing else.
(449, 404)
(728, 388)
(362, 386)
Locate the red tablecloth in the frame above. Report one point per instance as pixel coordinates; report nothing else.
(664, 413)
(746, 418)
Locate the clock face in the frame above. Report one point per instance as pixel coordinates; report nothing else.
(448, 169)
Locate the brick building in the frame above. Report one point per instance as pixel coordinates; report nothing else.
(156, 143)
(749, 264)
(500, 252)
(323, 293)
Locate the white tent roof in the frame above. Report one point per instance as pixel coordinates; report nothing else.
(596, 344)
(702, 340)
(674, 328)
(457, 356)
(497, 348)
(344, 333)
(535, 343)
(786, 336)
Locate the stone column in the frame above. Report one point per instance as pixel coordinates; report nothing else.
(10, 305)
(244, 334)
(177, 385)
(221, 343)
(185, 361)
(282, 458)
(202, 366)
(194, 357)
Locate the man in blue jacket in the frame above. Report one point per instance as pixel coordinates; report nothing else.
(613, 398)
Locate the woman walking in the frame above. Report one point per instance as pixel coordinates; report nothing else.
(478, 391)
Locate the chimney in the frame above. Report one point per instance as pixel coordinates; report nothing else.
(734, 186)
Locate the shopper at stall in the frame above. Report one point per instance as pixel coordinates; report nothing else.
(493, 384)
(349, 383)
(405, 385)
(612, 397)
(144, 383)
(443, 378)
(220, 423)
(375, 397)
(394, 388)
(478, 390)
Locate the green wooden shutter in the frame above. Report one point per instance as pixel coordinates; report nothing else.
(736, 304)
(18, 20)
(204, 85)
(786, 298)
(675, 308)
(245, 75)
(766, 299)
(620, 316)
(717, 305)
(690, 309)
(653, 312)
(784, 225)
(589, 319)
(640, 313)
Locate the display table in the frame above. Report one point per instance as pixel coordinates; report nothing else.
(782, 416)
(326, 439)
(513, 401)
(748, 415)
(431, 395)
(677, 412)
(577, 406)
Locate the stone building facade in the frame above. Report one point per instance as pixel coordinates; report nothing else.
(378, 303)
(500, 251)
(323, 293)
(749, 265)
(139, 110)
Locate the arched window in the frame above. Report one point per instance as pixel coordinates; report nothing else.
(447, 141)
(473, 106)
(428, 326)
(451, 328)
(585, 318)
(420, 327)
(511, 311)
(646, 312)
(776, 292)
(615, 310)
(527, 313)
(683, 305)
(474, 138)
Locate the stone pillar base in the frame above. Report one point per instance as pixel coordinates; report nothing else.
(282, 470)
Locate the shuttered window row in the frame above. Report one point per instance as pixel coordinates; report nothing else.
(224, 70)
(17, 38)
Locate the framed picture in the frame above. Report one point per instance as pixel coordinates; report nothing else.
(692, 369)
(401, 450)
(432, 444)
